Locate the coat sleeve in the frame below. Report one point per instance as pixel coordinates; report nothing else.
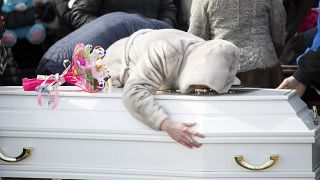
(277, 18)
(62, 10)
(309, 68)
(157, 65)
(168, 12)
(199, 19)
(84, 11)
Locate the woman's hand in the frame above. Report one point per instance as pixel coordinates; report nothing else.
(292, 83)
(182, 133)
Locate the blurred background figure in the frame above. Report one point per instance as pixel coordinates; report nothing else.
(301, 25)
(296, 11)
(3, 53)
(84, 11)
(308, 73)
(113, 20)
(22, 63)
(61, 17)
(102, 31)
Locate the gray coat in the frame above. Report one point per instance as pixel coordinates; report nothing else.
(252, 25)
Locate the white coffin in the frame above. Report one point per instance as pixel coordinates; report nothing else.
(92, 136)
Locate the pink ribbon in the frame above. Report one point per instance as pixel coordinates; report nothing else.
(51, 84)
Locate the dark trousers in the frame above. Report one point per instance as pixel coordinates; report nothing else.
(262, 78)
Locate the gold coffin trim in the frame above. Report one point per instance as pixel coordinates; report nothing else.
(27, 151)
(315, 115)
(242, 162)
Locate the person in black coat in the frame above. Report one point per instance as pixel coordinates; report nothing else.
(63, 14)
(84, 11)
(307, 75)
(98, 22)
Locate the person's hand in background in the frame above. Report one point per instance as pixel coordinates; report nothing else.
(292, 83)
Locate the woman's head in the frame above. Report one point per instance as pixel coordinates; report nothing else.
(212, 64)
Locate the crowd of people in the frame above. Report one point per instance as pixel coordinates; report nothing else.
(211, 42)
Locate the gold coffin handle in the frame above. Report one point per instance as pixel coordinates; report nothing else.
(27, 151)
(242, 162)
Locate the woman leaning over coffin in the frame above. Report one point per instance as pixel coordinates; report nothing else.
(152, 60)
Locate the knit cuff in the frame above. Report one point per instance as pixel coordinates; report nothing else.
(157, 123)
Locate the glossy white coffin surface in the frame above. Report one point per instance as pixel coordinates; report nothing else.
(92, 136)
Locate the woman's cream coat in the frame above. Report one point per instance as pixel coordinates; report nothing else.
(151, 60)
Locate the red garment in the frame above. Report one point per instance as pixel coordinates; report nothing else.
(310, 21)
